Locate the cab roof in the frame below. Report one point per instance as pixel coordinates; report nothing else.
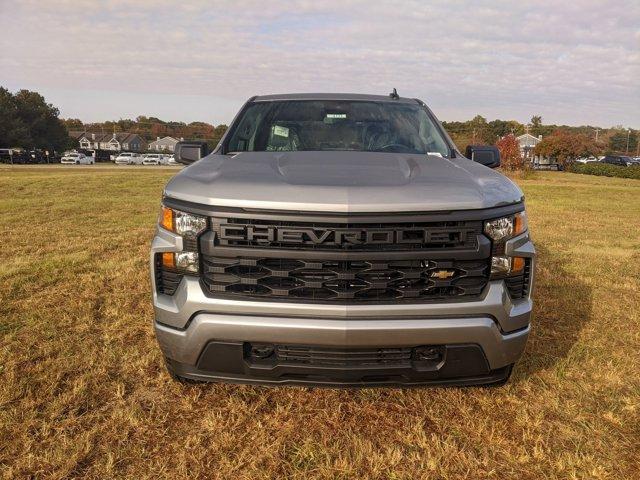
(332, 96)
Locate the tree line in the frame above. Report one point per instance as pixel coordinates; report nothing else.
(28, 121)
(558, 141)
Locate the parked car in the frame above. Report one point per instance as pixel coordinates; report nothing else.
(547, 164)
(171, 160)
(98, 155)
(77, 158)
(619, 160)
(153, 159)
(129, 158)
(585, 160)
(6, 155)
(337, 239)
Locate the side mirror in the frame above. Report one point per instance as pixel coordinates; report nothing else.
(190, 151)
(487, 155)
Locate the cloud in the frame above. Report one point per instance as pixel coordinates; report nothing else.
(571, 62)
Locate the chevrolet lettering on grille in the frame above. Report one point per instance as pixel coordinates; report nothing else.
(338, 236)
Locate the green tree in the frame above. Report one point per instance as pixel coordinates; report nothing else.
(28, 121)
(536, 125)
(13, 130)
(73, 123)
(618, 141)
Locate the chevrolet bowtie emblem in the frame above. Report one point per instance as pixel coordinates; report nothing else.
(442, 274)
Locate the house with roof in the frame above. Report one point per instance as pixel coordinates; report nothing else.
(164, 144)
(527, 144)
(123, 141)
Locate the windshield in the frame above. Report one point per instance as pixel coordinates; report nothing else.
(326, 125)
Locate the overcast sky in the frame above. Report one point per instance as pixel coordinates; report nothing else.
(573, 62)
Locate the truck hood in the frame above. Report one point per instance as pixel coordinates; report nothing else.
(342, 182)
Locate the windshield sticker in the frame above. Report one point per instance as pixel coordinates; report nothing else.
(336, 115)
(435, 154)
(280, 131)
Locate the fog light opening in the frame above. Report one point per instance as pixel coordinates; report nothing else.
(261, 352)
(427, 354)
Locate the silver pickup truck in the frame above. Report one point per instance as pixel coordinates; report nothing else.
(341, 240)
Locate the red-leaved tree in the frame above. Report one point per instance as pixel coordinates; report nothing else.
(510, 158)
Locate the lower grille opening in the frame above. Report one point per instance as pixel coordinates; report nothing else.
(315, 356)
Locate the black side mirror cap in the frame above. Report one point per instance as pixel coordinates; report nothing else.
(188, 152)
(487, 155)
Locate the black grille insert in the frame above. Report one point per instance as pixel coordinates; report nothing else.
(345, 280)
(324, 356)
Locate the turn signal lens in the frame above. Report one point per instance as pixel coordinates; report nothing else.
(168, 260)
(520, 223)
(517, 264)
(166, 218)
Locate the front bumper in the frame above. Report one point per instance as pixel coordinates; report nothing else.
(208, 338)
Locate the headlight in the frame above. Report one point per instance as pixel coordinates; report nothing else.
(183, 261)
(189, 226)
(186, 224)
(504, 228)
(499, 230)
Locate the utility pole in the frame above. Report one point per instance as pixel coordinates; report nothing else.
(628, 134)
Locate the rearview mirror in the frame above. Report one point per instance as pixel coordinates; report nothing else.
(487, 155)
(190, 151)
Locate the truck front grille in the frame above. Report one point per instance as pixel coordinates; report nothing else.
(354, 259)
(349, 280)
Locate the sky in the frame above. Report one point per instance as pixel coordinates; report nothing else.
(572, 62)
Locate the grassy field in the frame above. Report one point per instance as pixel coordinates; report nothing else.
(84, 394)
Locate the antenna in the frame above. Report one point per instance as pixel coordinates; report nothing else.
(394, 94)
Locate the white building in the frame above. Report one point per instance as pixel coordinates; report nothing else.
(527, 143)
(112, 141)
(165, 144)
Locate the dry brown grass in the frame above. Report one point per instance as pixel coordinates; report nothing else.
(84, 394)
